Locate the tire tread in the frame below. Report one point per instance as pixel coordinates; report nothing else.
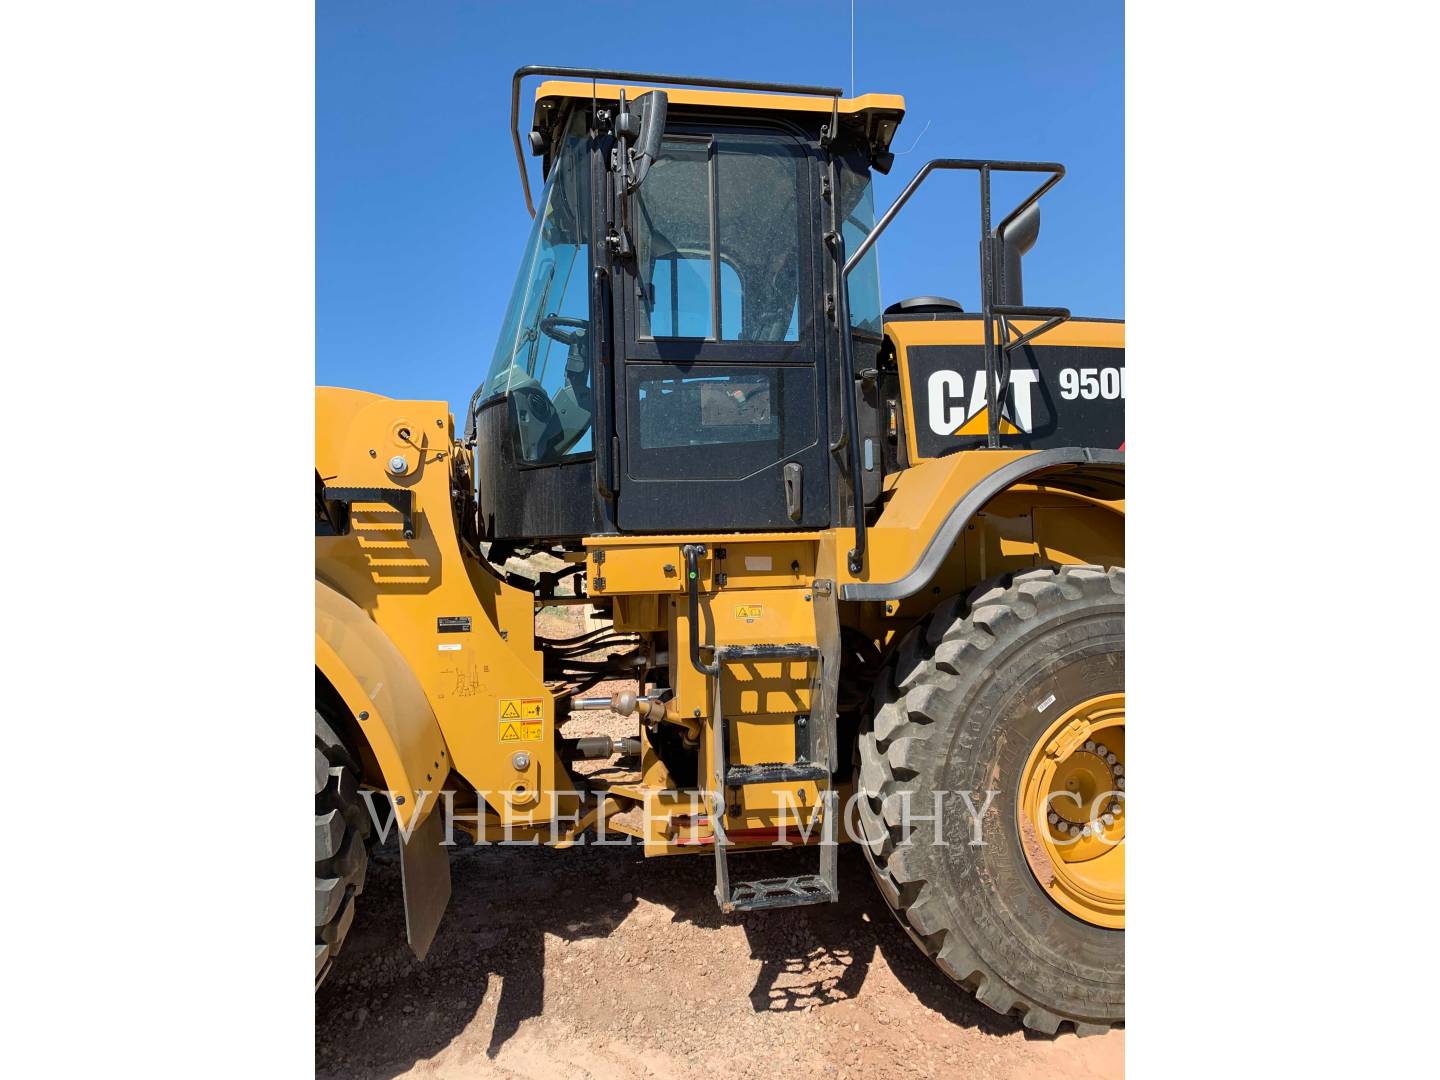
(905, 710)
(342, 825)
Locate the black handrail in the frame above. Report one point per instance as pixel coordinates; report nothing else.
(1053, 317)
(973, 165)
(602, 383)
(644, 77)
(991, 307)
(692, 553)
(855, 558)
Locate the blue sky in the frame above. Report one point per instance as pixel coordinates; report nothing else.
(419, 216)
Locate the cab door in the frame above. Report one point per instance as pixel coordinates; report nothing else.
(719, 405)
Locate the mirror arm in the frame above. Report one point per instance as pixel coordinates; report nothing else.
(653, 106)
(641, 165)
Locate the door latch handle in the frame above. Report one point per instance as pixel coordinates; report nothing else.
(793, 473)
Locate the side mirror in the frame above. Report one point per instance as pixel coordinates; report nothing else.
(648, 119)
(1017, 238)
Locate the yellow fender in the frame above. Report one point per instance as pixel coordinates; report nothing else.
(387, 701)
(931, 503)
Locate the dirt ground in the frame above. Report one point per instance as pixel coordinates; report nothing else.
(598, 962)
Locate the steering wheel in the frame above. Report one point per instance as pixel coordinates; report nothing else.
(551, 325)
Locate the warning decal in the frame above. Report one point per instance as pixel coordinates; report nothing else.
(517, 708)
(521, 731)
(747, 612)
(522, 719)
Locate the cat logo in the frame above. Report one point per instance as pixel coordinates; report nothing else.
(951, 414)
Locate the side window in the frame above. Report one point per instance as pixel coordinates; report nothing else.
(758, 219)
(718, 241)
(857, 213)
(674, 244)
(707, 410)
(717, 421)
(682, 306)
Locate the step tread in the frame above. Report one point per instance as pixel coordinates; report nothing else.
(779, 893)
(774, 772)
(767, 652)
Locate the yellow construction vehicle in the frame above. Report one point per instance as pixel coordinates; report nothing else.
(859, 569)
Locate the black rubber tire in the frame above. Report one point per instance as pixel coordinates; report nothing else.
(342, 825)
(959, 708)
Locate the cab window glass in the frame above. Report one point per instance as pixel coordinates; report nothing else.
(542, 357)
(682, 305)
(857, 214)
(718, 240)
(709, 409)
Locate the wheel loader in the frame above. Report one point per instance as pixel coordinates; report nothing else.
(853, 571)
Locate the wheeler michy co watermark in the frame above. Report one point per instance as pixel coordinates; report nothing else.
(506, 817)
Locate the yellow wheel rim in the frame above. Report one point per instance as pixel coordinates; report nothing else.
(1072, 811)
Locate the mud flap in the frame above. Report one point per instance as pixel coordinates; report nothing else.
(425, 878)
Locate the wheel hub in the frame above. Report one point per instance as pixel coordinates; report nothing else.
(1072, 810)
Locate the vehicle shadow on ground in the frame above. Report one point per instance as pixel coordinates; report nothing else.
(381, 1011)
(822, 954)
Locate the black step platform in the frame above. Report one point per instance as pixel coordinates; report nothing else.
(779, 893)
(774, 772)
(766, 652)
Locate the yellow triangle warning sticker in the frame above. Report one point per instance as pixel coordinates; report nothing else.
(979, 424)
(510, 711)
(509, 733)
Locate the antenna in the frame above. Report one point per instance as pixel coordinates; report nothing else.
(852, 48)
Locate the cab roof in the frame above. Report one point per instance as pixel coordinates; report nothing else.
(876, 116)
(879, 114)
(549, 93)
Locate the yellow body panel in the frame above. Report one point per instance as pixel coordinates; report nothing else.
(406, 586)
(645, 564)
(916, 505)
(377, 684)
(761, 699)
(1023, 527)
(766, 597)
(755, 588)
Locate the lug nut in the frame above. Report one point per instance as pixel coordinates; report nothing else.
(1100, 749)
(1090, 745)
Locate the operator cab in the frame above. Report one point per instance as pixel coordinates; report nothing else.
(668, 359)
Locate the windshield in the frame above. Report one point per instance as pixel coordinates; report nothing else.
(542, 355)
